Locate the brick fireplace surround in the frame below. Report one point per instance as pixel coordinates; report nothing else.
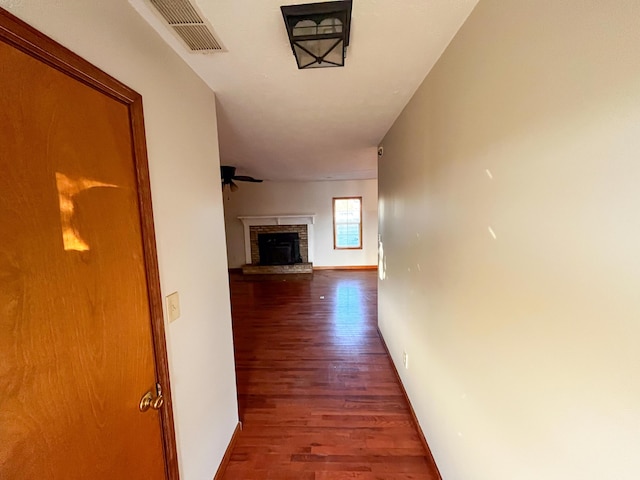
(255, 225)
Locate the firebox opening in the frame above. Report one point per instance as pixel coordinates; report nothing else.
(279, 248)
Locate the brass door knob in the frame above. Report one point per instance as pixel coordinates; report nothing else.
(149, 400)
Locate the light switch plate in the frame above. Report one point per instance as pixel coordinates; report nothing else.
(173, 306)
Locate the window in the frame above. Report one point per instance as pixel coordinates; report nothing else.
(347, 223)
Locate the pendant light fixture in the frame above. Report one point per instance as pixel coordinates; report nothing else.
(318, 32)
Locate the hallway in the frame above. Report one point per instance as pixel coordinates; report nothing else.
(318, 396)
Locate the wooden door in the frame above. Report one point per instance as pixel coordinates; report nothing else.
(78, 278)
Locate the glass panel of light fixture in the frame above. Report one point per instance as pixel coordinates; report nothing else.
(335, 55)
(330, 25)
(321, 48)
(305, 27)
(302, 57)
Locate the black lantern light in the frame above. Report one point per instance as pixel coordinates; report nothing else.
(318, 32)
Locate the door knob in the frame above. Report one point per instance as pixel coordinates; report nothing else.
(149, 400)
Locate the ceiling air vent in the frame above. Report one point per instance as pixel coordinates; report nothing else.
(188, 24)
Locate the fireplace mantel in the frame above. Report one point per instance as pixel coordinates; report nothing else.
(300, 219)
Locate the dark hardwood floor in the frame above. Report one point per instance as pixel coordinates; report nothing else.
(319, 399)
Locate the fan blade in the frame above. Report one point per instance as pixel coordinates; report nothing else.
(233, 187)
(244, 178)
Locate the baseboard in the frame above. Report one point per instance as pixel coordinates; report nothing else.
(227, 453)
(423, 439)
(339, 267)
(348, 267)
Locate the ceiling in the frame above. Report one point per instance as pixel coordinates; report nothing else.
(276, 122)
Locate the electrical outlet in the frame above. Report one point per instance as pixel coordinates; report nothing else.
(405, 359)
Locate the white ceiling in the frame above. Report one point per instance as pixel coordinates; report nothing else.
(280, 123)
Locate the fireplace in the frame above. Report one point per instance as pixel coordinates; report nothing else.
(285, 254)
(281, 248)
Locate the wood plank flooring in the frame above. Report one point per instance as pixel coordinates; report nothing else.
(318, 397)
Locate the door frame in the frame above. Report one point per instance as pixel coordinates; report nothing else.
(25, 38)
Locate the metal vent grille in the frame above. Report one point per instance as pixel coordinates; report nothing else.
(188, 24)
(198, 37)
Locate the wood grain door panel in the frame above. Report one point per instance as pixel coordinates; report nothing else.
(76, 340)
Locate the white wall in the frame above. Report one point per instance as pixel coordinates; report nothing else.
(523, 350)
(269, 198)
(183, 156)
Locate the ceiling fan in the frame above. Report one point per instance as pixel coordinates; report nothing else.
(228, 175)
